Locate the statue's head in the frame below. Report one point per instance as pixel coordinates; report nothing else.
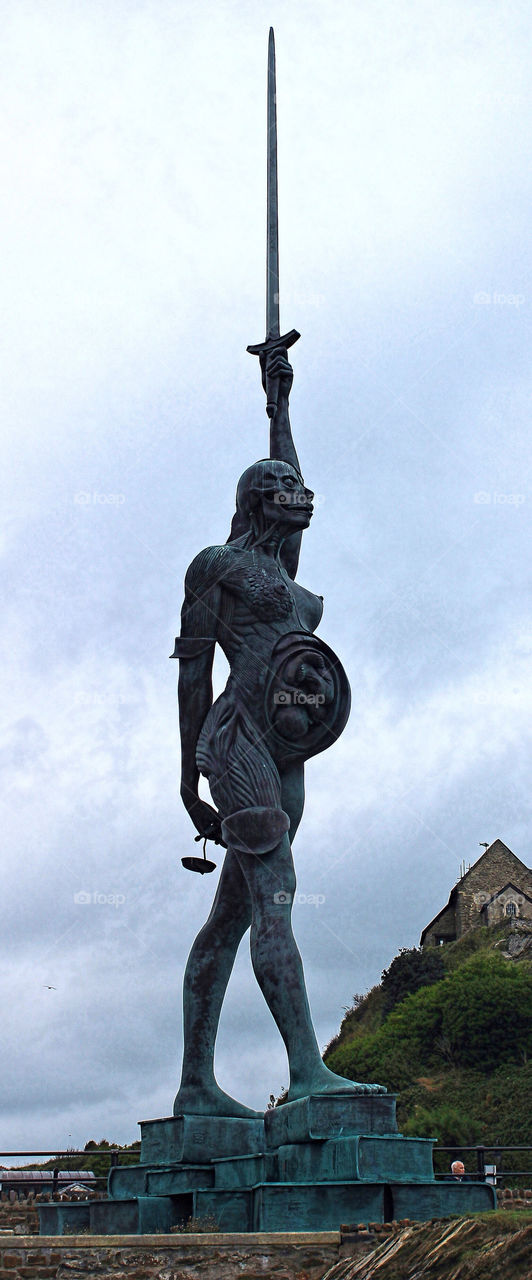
(272, 495)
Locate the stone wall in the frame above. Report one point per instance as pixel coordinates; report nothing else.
(19, 1215)
(444, 927)
(495, 912)
(514, 1198)
(265, 1256)
(279, 1256)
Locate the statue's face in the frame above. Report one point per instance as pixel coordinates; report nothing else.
(283, 497)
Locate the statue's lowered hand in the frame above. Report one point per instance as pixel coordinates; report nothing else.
(205, 818)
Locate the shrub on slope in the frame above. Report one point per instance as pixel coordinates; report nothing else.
(479, 1016)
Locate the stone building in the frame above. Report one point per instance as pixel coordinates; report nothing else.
(497, 886)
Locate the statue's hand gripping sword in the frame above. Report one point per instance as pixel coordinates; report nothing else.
(275, 341)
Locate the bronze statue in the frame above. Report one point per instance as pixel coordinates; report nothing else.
(287, 697)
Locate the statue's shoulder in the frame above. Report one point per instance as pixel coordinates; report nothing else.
(209, 567)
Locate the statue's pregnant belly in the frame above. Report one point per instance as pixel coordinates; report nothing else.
(304, 706)
(307, 698)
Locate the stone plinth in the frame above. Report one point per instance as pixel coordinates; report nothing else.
(195, 1139)
(309, 1166)
(334, 1115)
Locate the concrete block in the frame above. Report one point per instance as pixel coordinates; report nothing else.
(195, 1139)
(232, 1210)
(438, 1199)
(334, 1115)
(315, 1207)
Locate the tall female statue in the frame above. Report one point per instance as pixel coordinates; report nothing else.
(287, 698)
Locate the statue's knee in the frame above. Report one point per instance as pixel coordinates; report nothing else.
(273, 911)
(256, 830)
(284, 892)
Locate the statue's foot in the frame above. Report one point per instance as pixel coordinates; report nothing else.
(321, 1080)
(210, 1100)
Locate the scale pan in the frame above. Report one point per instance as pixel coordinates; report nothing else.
(198, 864)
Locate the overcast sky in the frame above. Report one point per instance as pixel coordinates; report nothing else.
(133, 228)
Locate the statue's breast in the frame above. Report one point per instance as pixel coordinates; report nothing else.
(265, 593)
(262, 589)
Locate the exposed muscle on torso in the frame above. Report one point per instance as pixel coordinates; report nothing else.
(256, 603)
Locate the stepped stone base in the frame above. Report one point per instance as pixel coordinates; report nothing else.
(309, 1166)
(333, 1115)
(194, 1139)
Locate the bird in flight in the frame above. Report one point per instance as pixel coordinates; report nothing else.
(48, 988)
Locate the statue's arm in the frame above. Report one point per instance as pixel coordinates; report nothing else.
(195, 649)
(195, 699)
(282, 444)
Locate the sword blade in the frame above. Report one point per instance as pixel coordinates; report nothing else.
(272, 229)
(275, 341)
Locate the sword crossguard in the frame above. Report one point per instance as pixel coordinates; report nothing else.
(274, 343)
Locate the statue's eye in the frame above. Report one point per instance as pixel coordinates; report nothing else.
(289, 481)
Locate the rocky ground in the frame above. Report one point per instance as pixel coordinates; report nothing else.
(478, 1248)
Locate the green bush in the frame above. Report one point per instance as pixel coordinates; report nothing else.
(487, 1012)
(411, 970)
(480, 1016)
(450, 1125)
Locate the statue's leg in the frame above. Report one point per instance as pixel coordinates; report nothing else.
(293, 795)
(277, 964)
(206, 976)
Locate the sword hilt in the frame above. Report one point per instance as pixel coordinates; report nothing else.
(280, 343)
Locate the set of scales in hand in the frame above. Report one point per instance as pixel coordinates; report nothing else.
(287, 698)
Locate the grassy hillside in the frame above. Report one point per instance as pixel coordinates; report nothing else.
(450, 1031)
